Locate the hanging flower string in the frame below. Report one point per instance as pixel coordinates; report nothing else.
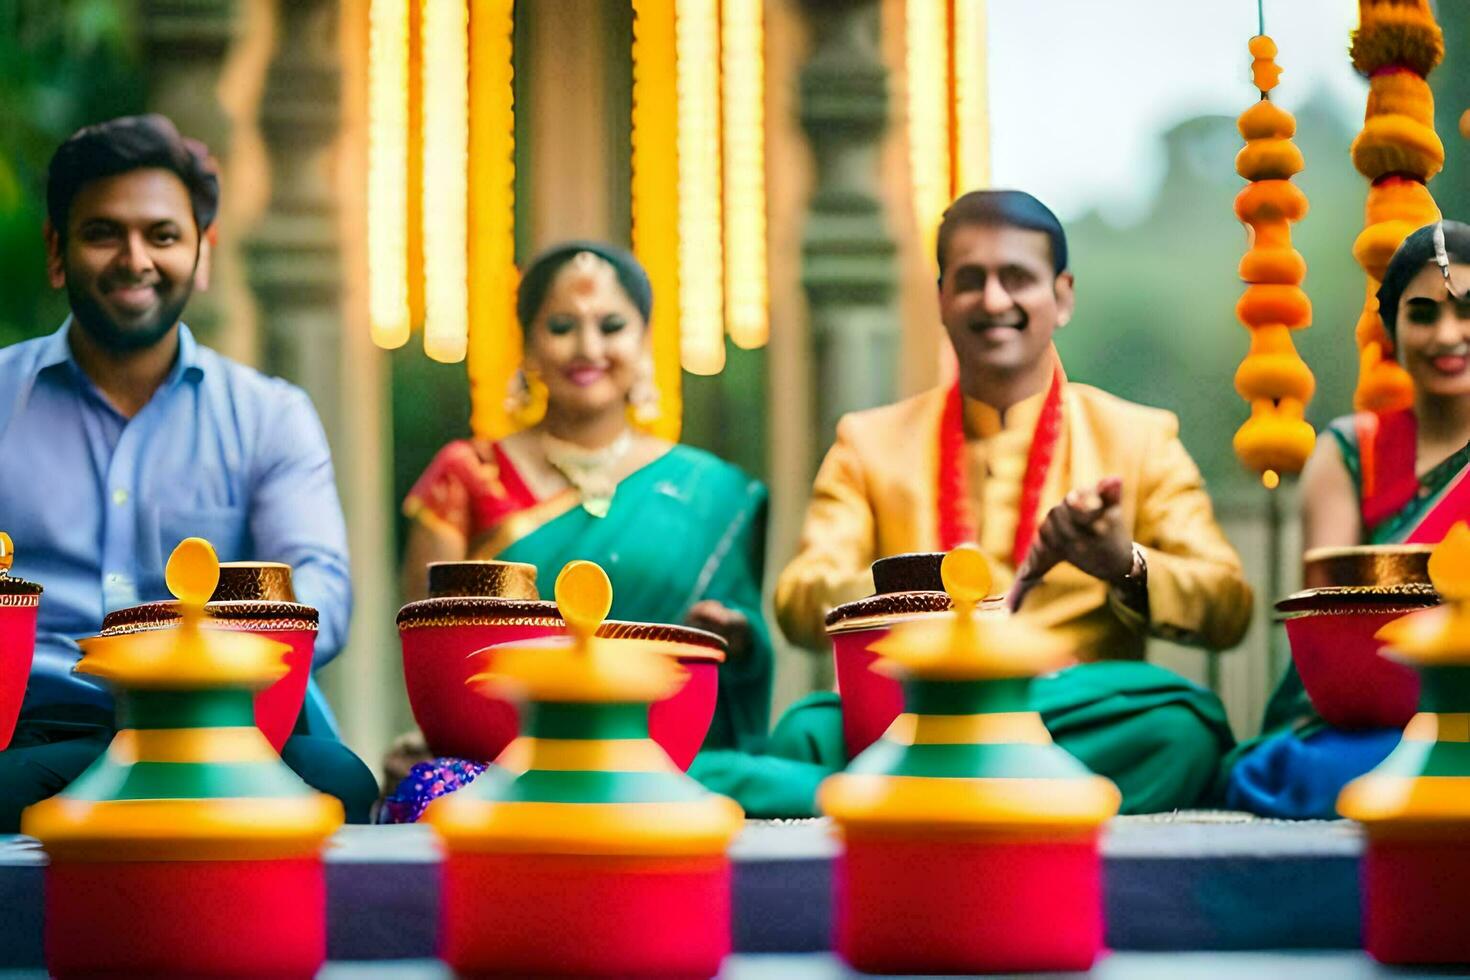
(1273, 378)
(1396, 45)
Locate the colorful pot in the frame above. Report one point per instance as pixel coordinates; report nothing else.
(1333, 626)
(599, 858)
(253, 597)
(187, 849)
(444, 637)
(1415, 806)
(907, 588)
(19, 602)
(970, 840)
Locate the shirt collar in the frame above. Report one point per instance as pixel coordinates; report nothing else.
(56, 350)
(982, 421)
(187, 365)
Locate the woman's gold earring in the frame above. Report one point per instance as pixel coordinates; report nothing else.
(643, 398)
(525, 403)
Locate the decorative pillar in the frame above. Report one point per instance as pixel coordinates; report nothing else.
(297, 270)
(189, 49)
(294, 252)
(848, 253)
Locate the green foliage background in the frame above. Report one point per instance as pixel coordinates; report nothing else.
(1156, 299)
(63, 64)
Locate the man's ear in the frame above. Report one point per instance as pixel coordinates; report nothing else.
(55, 262)
(1066, 298)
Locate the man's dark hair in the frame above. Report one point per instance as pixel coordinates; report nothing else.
(1015, 209)
(1413, 254)
(125, 144)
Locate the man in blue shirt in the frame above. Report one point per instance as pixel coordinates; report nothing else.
(124, 436)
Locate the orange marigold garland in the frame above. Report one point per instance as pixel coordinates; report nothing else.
(1396, 45)
(1273, 378)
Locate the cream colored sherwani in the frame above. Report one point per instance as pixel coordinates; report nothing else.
(876, 495)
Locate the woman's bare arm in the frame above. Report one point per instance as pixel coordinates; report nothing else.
(1330, 513)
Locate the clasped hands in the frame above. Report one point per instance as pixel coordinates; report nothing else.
(1086, 529)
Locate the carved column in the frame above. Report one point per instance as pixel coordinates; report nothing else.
(297, 272)
(848, 253)
(294, 253)
(185, 43)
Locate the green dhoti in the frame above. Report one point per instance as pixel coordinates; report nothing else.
(1159, 737)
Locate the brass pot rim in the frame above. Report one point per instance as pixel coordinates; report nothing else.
(164, 612)
(887, 608)
(1356, 598)
(469, 606)
(14, 585)
(461, 611)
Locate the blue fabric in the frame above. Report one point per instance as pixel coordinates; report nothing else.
(95, 501)
(1299, 778)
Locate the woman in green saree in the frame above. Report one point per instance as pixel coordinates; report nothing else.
(680, 532)
(1396, 478)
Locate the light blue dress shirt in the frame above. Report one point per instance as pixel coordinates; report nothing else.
(95, 502)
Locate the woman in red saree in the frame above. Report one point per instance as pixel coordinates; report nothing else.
(1399, 478)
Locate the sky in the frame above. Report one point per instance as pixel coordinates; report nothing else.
(1082, 90)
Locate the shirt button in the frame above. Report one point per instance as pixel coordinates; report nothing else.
(119, 496)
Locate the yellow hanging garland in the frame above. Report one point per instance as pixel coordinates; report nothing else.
(1273, 378)
(1396, 45)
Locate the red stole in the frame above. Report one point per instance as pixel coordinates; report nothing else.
(956, 522)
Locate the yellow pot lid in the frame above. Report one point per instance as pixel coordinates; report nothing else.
(963, 644)
(188, 657)
(582, 666)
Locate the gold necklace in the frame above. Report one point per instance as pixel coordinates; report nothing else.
(593, 472)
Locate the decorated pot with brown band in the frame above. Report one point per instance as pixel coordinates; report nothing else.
(255, 597)
(19, 602)
(473, 605)
(1332, 627)
(906, 587)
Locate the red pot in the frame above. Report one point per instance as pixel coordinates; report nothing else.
(525, 914)
(1412, 891)
(262, 918)
(255, 597)
(1332, 631)
(19, 602)
(908, 587)
(1009, 904)
(444, 637)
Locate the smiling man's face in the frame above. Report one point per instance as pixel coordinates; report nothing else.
(1000, 298)
(128, 257)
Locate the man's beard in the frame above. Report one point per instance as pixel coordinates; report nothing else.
(112, 336)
